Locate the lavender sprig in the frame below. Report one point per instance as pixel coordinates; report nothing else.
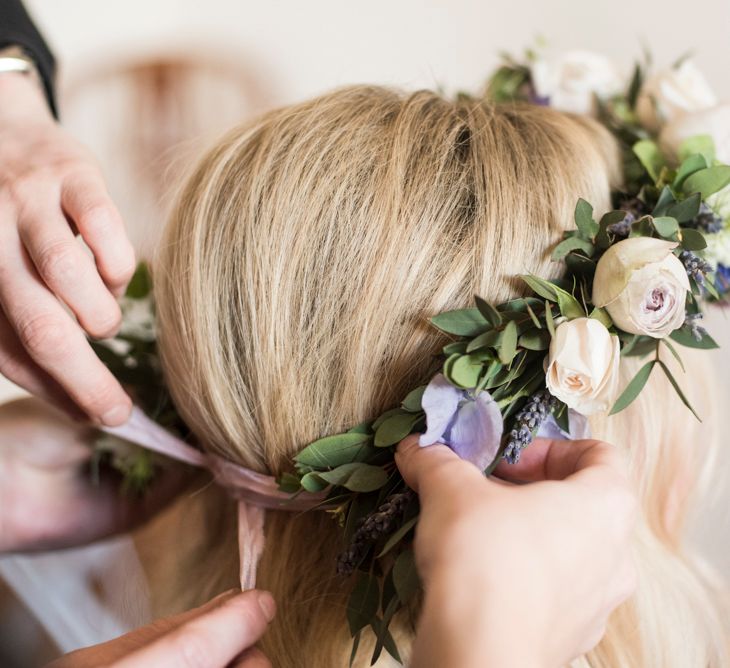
(527, 421)
(696, 267)
(691, 321)
(373, 527)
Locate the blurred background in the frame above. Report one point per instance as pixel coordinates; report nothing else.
(147, 84)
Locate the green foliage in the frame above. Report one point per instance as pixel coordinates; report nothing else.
(707, 181)
(333, 451)
(633, 389)
(463, 322)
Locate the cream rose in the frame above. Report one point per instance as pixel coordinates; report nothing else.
(582, 365)
(571, 80)
(643, 286)
(672, 93)
(714, 122)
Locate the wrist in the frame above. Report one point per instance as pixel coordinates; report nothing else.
(473, 626)
(23, 99)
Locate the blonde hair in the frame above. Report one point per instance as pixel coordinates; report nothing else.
(298, 270)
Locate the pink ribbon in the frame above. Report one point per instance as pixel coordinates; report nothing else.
(254, 491)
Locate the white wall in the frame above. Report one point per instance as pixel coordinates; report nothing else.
(304, 47)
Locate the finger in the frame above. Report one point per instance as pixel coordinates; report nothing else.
(87, 204)
(555, 459)
(54, 341)
(212, 639)
(69, 272)
(112, 651)
(252, 658)
(18, 367)
(433, 470)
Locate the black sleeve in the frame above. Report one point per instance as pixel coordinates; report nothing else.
(17, 28)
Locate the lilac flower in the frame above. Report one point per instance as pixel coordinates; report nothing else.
(471, 426)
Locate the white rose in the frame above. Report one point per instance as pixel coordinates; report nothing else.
(672, 93)
(643, 286)
(714, 122)
(582, 365)
(571, 80)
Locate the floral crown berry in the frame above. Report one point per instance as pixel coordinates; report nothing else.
(634, 282)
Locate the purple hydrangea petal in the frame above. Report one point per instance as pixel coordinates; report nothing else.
(440, 402)
(579, 427)
(477, 431)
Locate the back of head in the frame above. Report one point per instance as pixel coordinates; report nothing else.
(299, 268)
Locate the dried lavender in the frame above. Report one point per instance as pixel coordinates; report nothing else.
(373, 527)
(634, 209)
(696, 267)
(527, 422)
(691, 321)
(707, 220)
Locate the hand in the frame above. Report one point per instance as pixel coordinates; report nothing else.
(51, 189)
(519, 575)
(220, 633)
(47, 497)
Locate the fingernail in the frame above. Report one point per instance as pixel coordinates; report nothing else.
(116, 416)
(267, 605)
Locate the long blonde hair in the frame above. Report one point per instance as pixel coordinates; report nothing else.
(298, 270)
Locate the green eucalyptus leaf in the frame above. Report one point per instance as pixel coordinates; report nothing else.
(685, 210)
(572, 244)
(678, 389)
(535, 340)
(638, 346)
(540, 287)
(465, 371)
(533, 317)
(312, 482)
(569, 305)
(362, 428)
(405, 576)
(692, 239)
(508, 347)
(486, 340)
(355, 646)
(388, 414)
(602, 316)
(666, 227)
(456, 347)
(587, 227)
(674, 352)
(362, 606)
(412, 402)
(683, 336)
(395, 429)
(398, 536)
(707, 181)
(549, 321)
(491, 314)
(666, 199)
(694, 163)
(650, 157)
(633, 388)
(463, 322)
(562, 416)
(335, 450)
(357, 477)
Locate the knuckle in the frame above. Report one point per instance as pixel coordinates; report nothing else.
(106, 322)
(44, 335)
(59, 262)
(100, 397)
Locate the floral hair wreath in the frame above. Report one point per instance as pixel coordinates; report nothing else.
(634, 282)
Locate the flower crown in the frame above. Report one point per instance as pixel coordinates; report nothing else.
(635, 280)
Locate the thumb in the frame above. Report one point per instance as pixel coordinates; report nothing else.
(557, 459)
(433, 469)
(213, 638)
